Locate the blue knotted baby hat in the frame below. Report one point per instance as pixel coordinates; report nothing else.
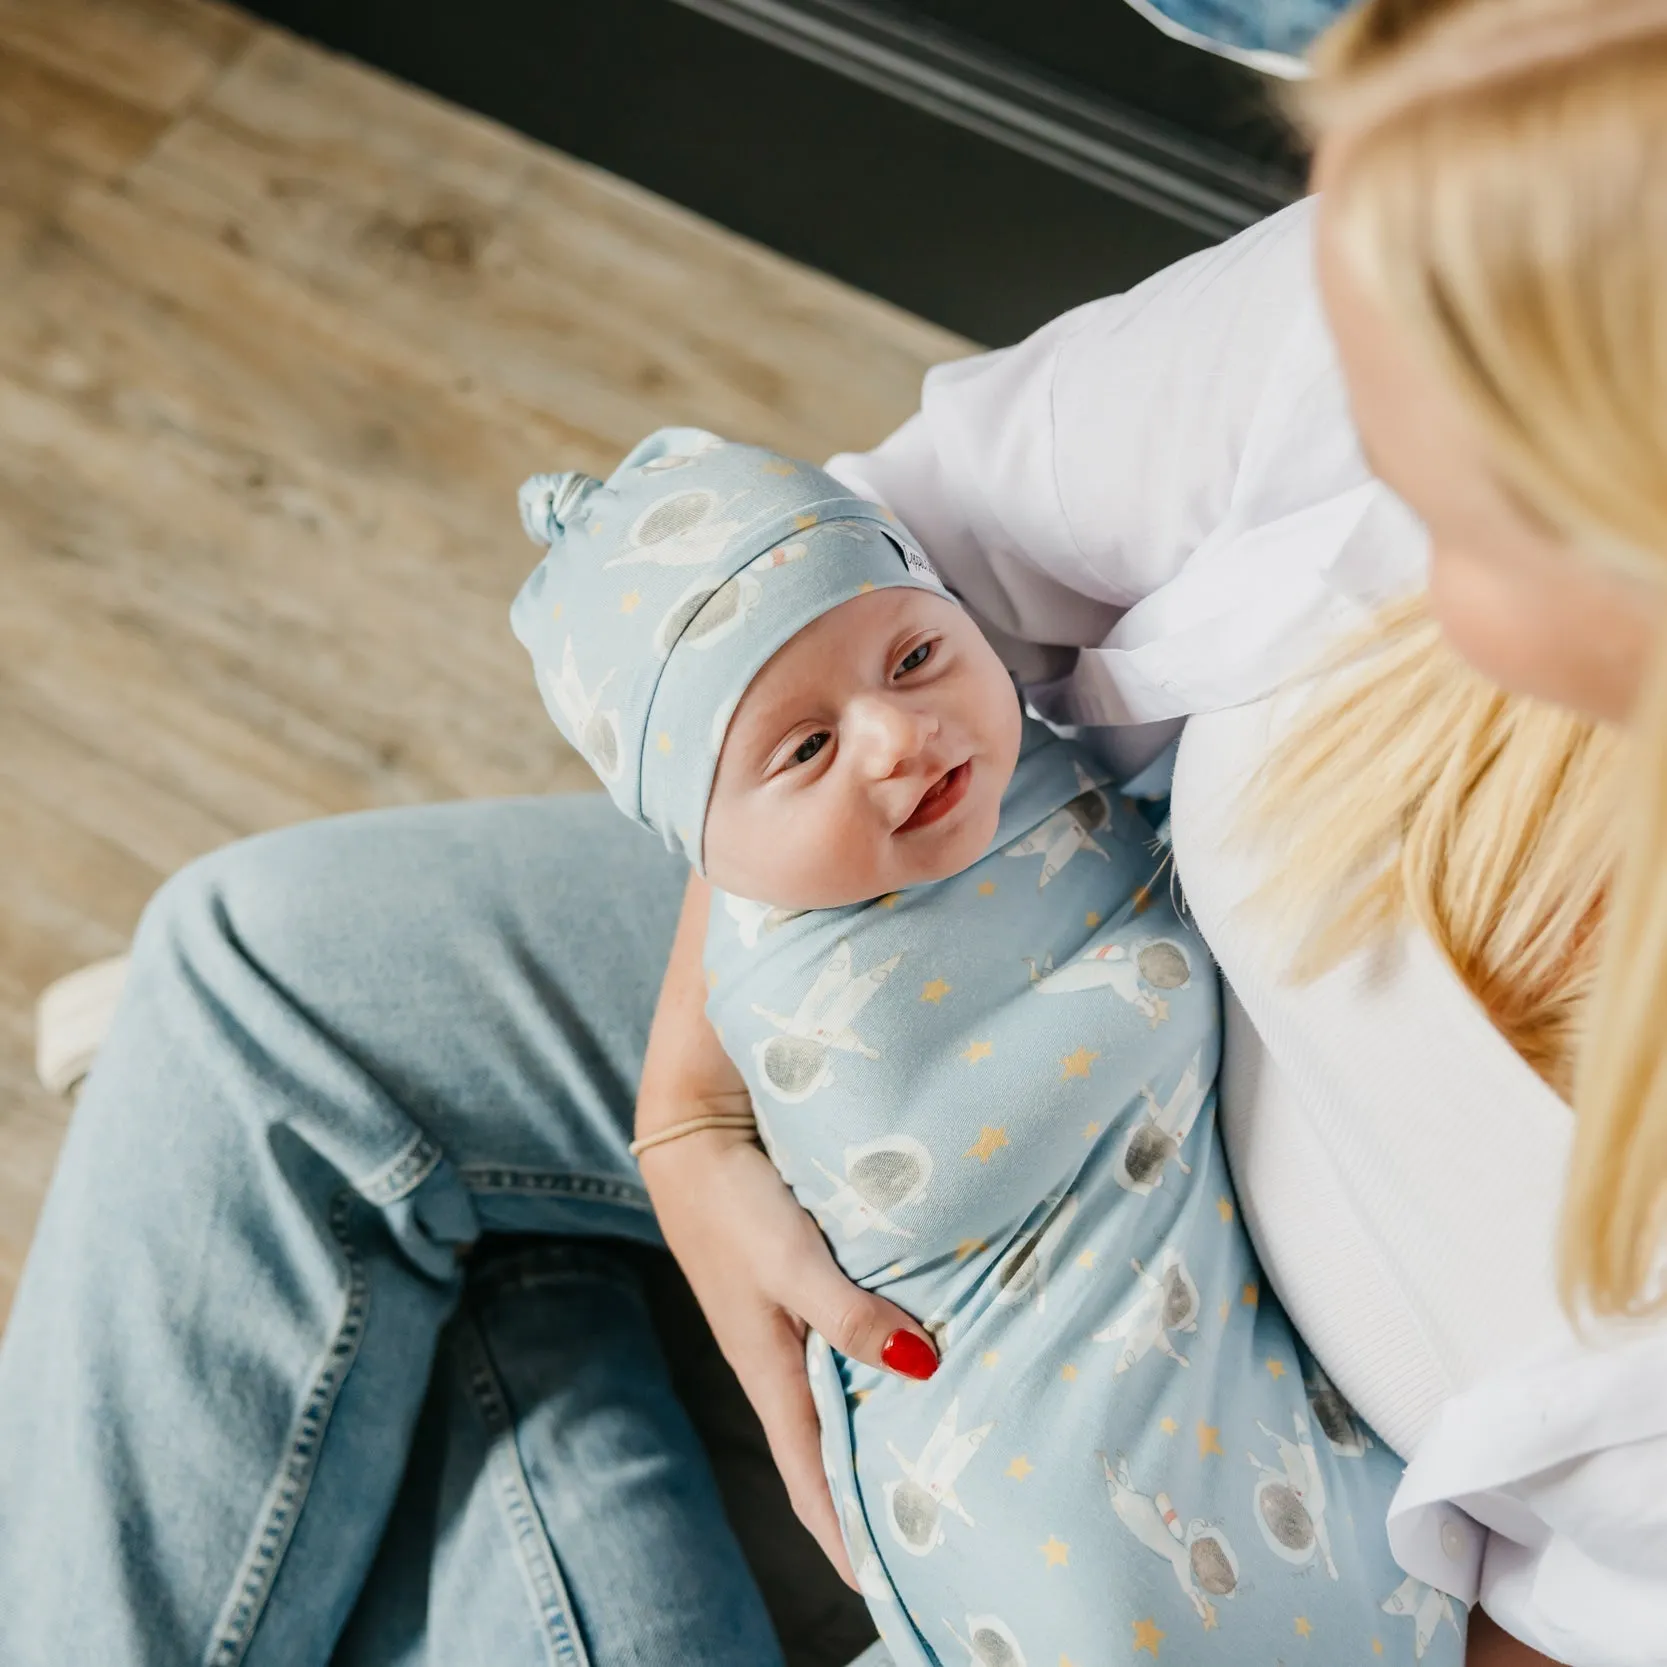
(666, 588)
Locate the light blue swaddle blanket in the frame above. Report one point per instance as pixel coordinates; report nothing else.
(996, 1094)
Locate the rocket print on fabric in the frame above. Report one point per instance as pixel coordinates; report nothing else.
(597, 731)
(706, 613)
(796, 1063)
(1161, 1134)
(684, 530)
(699, 445)
(756, 919)
(1338, 1421)
(1428, 1609)
(1132, 973)
(1204, 1563)
(865, 1559)
(989, 1642)
(915, 1506)
(1024, 1273)
(1069, 830)
(882, 1175)
(1289, 1499)
(1166, 1303)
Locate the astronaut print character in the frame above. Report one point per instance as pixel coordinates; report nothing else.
(995, 1092)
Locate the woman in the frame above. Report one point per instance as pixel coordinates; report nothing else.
(318, 1096)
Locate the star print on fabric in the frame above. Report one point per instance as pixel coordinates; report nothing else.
(1091, 920)
(1057, 1552)
(630, 602)
(663, 741)
(555, 612)
(1147, 1636)
(1304, 1627)
(779, 467)
(978, 1051)
(891, 900)
(865, 587)
(989, 1142)
(1090, 1131)
(711, 978)
(936, 991)
(860, 1395)
(1142, 900)
(1224, 1208)
(970, 1247)
(1225, 1309)
(1086, 1260)
(895, 1271)
(1068, 1372)
(986, 888)
(991, 1359)
(1078, 1064)
(1377, 1646)
(1249, 1296)
(1209, 1440)
(1168, 1426)
(802, 522)
(1065, 1661)
(1276, 1368)
(1020, 1468)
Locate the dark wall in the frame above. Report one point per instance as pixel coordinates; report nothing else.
(948, 224)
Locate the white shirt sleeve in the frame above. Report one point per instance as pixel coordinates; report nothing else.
(1563, 1460)
(1155, 504)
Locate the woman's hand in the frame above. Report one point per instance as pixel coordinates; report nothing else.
(756, 1262)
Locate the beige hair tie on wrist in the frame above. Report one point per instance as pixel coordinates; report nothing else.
(694, 1125)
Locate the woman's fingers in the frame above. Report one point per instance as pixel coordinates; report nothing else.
(771, 1368)
(855, 1322)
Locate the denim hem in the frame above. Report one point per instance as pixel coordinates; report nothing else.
(535, 1558)
(402, 1174)
(252, 1585)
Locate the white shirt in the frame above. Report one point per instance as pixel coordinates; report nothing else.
(1167, 483)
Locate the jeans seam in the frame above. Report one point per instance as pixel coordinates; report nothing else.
(252, 1584)
(608, 1188)
(535, 1558)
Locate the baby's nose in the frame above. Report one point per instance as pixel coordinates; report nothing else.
(892, 735)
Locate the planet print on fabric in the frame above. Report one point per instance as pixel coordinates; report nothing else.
(798, 1061)
(989, 1642)
(915, 1506)
(597, 731)
(1204, 1562)
(1289, 1499)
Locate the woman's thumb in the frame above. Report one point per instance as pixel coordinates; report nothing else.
(859, 1324)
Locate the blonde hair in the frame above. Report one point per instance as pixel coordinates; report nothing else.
(1501, 196)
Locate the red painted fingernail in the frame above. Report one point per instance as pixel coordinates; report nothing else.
(909, 1356)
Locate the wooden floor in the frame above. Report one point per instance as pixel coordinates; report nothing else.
(278, 339)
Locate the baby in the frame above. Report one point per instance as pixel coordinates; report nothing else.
(981, 1046)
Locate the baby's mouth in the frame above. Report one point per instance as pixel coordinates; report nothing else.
(940, 798)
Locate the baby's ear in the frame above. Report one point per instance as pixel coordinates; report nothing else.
(549, 502)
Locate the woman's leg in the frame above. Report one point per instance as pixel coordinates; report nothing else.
(346, 1051)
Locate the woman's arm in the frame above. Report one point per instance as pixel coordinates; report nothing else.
(755, 1260)
(1486, 1646)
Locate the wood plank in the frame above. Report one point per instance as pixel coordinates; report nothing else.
(157, 55)
(280, 339)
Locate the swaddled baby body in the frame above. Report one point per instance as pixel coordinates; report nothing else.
(981, 1046)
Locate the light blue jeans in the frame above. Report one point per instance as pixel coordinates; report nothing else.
(344, 1339)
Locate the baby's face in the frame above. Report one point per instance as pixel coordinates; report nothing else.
(869, 754)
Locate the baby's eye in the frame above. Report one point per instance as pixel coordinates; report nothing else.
(809, 748)
(915, 658)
